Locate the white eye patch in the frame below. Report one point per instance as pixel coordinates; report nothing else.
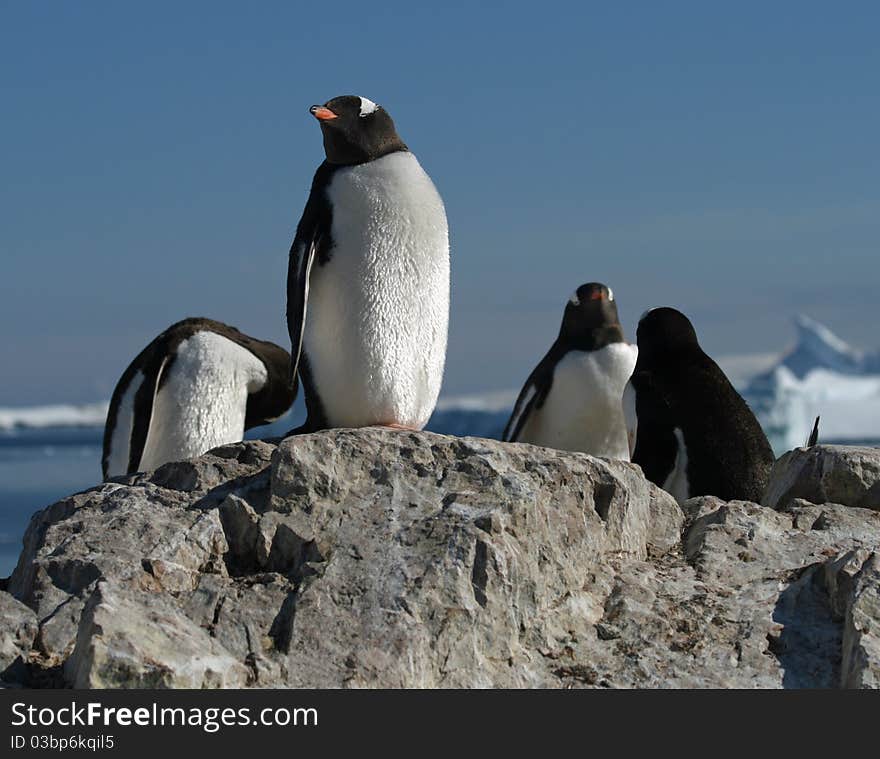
(367, 107)
(574, 300)
(610, 294)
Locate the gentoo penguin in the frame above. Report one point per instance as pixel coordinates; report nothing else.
(198, 385)
(692, 433)
(368, 278)
(572, 400)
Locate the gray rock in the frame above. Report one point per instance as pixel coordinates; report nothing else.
(18, 628)
(665, 526)
(743, 604)
(438, 562)
(861, 633)
(134, 639)
(826, 473)
(375, 558)
(133, 531)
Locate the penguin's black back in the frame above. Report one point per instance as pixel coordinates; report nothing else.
(728, 454)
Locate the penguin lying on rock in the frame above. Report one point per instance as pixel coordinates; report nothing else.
(689, 430)
(368, 278)
(199, 384)
(572, 400)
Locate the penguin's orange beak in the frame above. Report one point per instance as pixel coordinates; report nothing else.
(598, 295)
(322, 113)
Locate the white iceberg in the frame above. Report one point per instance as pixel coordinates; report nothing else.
(820, 376)
(61, 415)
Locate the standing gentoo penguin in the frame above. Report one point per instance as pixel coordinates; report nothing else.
(572, 400)
(370, 260)
(198, 385)
(693, 434)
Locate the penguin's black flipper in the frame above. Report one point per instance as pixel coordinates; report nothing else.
(143, 403)
(531, 398)
(298, 270)
(151, 363)
(814, 435)
(655, 444)
(312, 239)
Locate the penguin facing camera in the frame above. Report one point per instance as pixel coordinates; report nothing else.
(572, 400)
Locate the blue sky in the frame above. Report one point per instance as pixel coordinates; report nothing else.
(155, 158)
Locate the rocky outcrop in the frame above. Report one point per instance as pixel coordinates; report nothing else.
(18, 628)
(827, 473)
(375, 558)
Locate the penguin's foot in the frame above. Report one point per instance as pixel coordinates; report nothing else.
(401, 427)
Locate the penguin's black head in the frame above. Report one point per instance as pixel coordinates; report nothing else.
(590, 320)
(356, 130)
(665, 331)
(276, 396)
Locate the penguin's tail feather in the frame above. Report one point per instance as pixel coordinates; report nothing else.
(814, 435)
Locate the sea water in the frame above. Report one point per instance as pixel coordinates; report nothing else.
(37, 468)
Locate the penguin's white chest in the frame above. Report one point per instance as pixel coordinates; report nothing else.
(583, 410)
(378, 310)
(202, 402)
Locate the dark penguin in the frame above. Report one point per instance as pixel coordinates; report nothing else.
(198, 385)
(693, 433)
(572, 400)
(368, 278)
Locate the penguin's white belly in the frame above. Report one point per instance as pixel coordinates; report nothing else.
(203, 400)
(378, 310)
(583, 410)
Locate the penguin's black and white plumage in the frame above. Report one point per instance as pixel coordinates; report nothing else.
(368, 278)
(199, 384)
(572, 400)
(691, 431)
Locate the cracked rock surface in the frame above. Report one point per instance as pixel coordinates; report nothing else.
(826, 473)
(378, 558)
